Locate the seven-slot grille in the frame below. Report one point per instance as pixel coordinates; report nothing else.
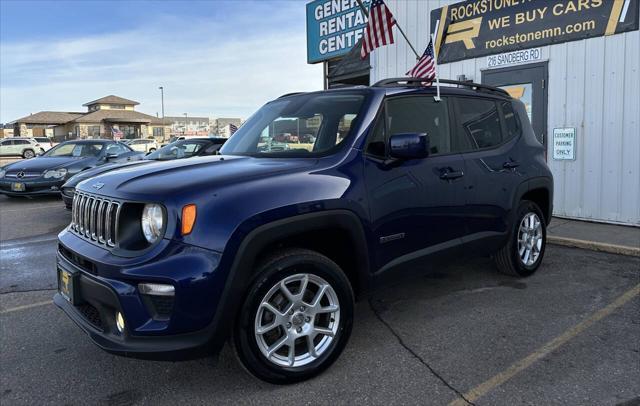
(95, 218)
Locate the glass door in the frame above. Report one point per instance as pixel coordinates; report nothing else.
(528, 83)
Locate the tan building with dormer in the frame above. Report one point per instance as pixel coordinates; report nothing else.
(104, 118)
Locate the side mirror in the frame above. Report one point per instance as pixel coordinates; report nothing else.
(111, 157)
(409, 145)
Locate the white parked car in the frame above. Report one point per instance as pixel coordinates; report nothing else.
(45, 142)
(24, 147)
(143, 145)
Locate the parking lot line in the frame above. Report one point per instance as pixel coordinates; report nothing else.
(25, 307)
(500, 378)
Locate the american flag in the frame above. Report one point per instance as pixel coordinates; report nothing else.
(232, 129)
(378, 31)
(116, 133)
(425, 68)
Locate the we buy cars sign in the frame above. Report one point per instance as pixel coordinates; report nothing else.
(476, 28)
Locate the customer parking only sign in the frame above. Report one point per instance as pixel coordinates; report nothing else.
(564, 144)
(333, 28)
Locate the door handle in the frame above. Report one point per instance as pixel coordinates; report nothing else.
(450, 174)
(510, 164)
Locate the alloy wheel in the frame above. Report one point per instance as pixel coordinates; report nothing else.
(297, 320)
(530, 238)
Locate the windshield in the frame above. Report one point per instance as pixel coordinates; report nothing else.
(75, 149)
(178, 150)
(306, 125)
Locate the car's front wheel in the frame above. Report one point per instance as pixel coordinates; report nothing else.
(28, 154)
(523, 252)
(296, 318)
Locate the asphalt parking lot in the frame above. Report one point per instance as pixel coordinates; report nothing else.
(462, 334)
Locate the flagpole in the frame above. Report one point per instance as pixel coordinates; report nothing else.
(366, 13)
(435, 64)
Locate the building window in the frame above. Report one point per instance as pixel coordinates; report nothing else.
(158, 132)
(93, 131)
(116, 106)
(129, 131)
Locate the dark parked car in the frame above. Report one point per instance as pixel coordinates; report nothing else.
(176, 150)
(269, 248)
(43, 175)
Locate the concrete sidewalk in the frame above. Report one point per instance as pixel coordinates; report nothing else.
(616, 239)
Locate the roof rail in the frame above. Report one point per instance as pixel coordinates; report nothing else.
(289, 94)
(418, 82)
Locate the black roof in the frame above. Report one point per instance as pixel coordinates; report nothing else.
(414, 85)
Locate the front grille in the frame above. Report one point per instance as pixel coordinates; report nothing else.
(91, 314)
(23, 175)
(95, 218)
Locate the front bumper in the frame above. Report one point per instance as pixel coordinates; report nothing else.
(33, 187)
(104, 289)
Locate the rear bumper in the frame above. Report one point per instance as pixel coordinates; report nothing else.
(101, 293)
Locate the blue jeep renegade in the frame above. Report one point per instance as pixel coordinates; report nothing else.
(317, 198)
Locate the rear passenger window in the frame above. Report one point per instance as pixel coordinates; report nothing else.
(480, 121)
(421, 115)
(511, 120)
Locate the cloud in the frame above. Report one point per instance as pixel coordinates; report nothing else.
(211, 68)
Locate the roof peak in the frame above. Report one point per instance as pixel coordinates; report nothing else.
(112, 99)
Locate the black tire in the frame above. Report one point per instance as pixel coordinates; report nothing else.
(152, 150)
(28, 154)
(508, 258)
(270, 272)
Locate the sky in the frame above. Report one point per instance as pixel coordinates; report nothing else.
(214, 58)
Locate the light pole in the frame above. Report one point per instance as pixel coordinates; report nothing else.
(162, 102)
(185, 123)
(162, 99)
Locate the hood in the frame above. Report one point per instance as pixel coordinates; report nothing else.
(90, 173)
(160, 180)
(41, 164)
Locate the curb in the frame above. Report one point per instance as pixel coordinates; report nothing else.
(594, 246)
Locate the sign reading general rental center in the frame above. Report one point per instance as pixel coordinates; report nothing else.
(333, 28)
(476, 28)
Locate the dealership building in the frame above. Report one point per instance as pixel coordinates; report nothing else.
(103, 117)
(574, 63)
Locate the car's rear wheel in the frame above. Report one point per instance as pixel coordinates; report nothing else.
(523, 252)
(152, 149)
(28, 154)
(296, 318)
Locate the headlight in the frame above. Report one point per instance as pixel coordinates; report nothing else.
(152, 222)
(2, 172)
(55, 173)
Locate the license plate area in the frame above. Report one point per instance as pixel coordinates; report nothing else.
(69, 285)
(18, 187)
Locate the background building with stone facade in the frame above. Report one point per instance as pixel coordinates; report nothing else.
(103, 117)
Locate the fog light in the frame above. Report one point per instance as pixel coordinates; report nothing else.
(156, 289)
(120, 322)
